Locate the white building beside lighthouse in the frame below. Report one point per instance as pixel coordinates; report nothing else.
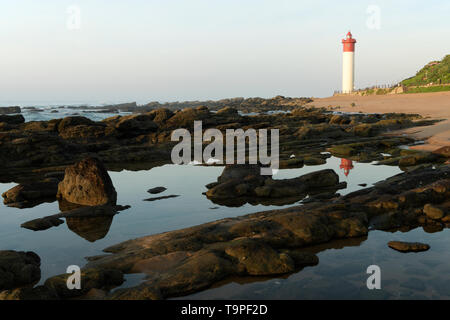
(348, 64)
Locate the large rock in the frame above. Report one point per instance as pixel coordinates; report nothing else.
(73, 121)
(245, 182)
(239, 171)
(161, 115)
(18, 269)
(87, 183)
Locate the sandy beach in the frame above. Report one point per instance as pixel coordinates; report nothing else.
(429, 105)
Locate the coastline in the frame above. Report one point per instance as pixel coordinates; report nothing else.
(437, 108)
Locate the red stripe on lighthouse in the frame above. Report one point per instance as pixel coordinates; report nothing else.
(349, 43)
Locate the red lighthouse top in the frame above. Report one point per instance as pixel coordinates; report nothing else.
(349, 43)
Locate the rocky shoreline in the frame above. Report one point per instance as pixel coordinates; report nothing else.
(142, 141)
(67, 159)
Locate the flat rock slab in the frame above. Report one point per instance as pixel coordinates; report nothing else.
(408, 246)
(156, 190)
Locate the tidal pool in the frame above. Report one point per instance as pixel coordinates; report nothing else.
(340, 273)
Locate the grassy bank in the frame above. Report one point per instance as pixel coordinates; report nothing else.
(433, 72)
(428, 89)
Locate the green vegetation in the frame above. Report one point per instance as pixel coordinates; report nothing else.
(435, 72)
(428, 89)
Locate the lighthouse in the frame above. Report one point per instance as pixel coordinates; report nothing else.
(348, 63)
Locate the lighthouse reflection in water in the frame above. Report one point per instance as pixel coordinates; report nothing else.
(347, 165)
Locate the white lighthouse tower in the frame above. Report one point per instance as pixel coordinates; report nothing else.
(348, 64)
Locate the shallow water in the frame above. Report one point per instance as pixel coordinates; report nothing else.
(342, 272)
(45, 113)
(60, 247)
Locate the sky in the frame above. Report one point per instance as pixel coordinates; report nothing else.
(112, 51)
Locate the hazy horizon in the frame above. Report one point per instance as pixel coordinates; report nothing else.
(184, 50)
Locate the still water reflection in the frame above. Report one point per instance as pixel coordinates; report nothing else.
(77, 238)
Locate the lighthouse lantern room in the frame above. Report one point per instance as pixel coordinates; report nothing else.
(348, 63)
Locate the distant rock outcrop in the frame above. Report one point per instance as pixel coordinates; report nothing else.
(9, 110)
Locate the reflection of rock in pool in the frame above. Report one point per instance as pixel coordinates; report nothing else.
(90, 228)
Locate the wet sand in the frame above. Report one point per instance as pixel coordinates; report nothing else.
(429, 105)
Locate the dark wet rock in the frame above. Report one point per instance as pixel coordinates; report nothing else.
(87, 183)
(156, 190)
(244, 183)
(42, 224)
(434, 212)
(431, 227)
(31, 194)
(134, 125)
(160, 116)
(90, 279)
(313, 161)
(59, 175)
(320, 197)
(73, 121)
(143, 292)
(239, 172)
(369, 149)
(162, 197)
(86, 132)
(258, 259)
(444, 151)
(186, 117)
(15, 119)
(339, 119)
(18, 269)
(292, 163)
(408, 246)
(9, 110)
(227, 111)
(28, 293)
(414, 157)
